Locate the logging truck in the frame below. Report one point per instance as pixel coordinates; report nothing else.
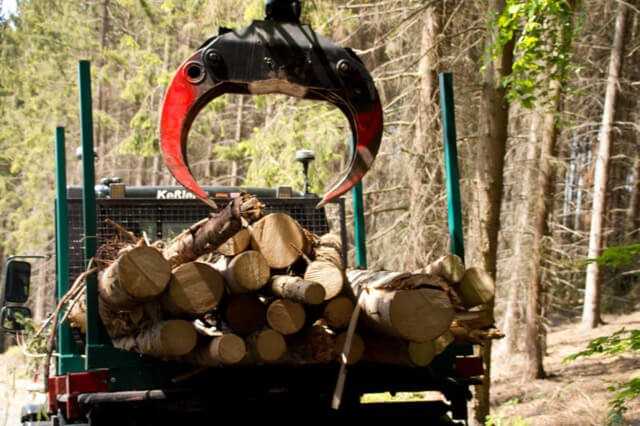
(96, 383)
(108, 371)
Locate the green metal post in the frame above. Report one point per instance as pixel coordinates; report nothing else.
(69, 360)
(447, 108)
(359, 227)
(94, 332)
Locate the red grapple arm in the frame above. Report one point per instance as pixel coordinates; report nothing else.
(272, 57)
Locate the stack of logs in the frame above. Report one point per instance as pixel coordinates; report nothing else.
(239, 288)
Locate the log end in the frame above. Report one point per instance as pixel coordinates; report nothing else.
(177, 337)
(285, 316)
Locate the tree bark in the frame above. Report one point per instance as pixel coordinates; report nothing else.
(136, 276)
(297, 289)
(209, 234)
(394, 304)
(491, 148)
(591, 309)
(167, 339)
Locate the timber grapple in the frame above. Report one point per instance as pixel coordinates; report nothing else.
(277, 55)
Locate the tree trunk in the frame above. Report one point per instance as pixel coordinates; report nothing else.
(265, 346)
(337, 313)
(209, 234)
(592, 294)
(412, 313)
(285, 316)
(137, 275)
(491, 147)
(167, 339)
(244, 313)
(280, 239)
(633, 211)
(328, 275)
(236, 244)
(246, 272)
(297, 289)
(227, 349)
(427, 127)
(195, 289)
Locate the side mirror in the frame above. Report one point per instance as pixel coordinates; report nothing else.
(12, 318)
(17, 280)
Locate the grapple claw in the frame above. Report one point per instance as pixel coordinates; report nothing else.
(272, 57)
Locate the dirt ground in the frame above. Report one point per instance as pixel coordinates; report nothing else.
(574, 393)
(17, 387)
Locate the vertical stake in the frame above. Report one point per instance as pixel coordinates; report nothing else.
(88, 203)
(454, 207)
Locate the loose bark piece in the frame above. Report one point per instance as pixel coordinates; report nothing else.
(166, 339)
(338, 312)
(236, 244)
(209, 234)
(137, 275)
(265, 346)
(297, 289)
(415, 314)
(356, 350)
(279, 238)
(227, 349)
(477, 288)
(450, 267)
(328, 275)
(247, 272)
(285, 316)
(329, 249)
(244, 314)
(195, 288)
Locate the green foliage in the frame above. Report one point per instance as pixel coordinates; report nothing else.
(619, 256)
(269, 153)
(542, 31)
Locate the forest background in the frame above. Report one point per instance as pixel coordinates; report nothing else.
(547, 117)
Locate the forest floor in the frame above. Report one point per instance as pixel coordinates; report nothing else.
(574, 393)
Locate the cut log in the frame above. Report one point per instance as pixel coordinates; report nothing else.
(394, 308)
(209, 234)
(246, 272)
(443, 342)
(195, 288)
(265, 346)
(328, 275)
(280, 239)
(450, 267)
(127, 323)
(476, 288)
(244, 314)
(329, 249)
(227, 349)
(466, 335)
(236, 244)
(136, 276)
(356, 350)
(421, 354)
(297, 289)
(166, 339)
(338, 312)
(285, 316)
